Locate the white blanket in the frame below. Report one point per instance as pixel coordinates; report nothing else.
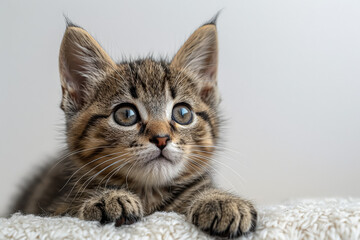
(305, 219)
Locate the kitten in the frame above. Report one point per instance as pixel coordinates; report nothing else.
(140, 137)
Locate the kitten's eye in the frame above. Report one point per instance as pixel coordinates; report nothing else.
(182, 114)
(126, 115)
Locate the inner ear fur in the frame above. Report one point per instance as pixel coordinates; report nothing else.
(83, 63)
(199, 56)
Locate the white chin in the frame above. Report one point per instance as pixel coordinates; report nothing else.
(160, 171)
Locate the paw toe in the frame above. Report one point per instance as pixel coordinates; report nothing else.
(120, 207)
(227, 218)
(126, 220)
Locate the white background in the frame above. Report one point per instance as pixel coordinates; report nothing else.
(289, 75)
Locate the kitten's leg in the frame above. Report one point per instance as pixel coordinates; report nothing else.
(119, 206)
(222, 214)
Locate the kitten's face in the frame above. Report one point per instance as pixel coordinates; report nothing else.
(147, 121)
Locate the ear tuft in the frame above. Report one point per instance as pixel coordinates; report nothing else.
(213, 20)
(69, 23)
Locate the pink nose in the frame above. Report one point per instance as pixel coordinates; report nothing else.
(160, 141)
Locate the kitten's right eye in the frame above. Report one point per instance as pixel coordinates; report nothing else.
(182, 114)
(126, 115)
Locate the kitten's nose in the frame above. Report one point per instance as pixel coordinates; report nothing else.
(160, 140)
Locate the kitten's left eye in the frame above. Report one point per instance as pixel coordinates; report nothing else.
(126, 115)
(182, 114)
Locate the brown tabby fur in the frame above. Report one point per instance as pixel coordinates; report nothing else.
(105, 174)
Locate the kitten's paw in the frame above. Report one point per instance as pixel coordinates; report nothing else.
(119, 206)
(223, 215)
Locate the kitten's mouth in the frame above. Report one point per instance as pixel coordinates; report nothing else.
(160, 158)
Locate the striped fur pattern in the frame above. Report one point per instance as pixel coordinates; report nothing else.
(119, 173)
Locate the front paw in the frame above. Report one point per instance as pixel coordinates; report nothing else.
(119, 206)
(223, 215)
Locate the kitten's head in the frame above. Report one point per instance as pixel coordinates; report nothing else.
(149, 121)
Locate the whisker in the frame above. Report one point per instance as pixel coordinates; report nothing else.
(106, 177)
(126, 179)
(87, 165)
(192, 167)
(211, 159)
(92, 170)
(217, 154)
(73, 153)
(88, 181)
(215, 147)
(194, 160)
(115, 172)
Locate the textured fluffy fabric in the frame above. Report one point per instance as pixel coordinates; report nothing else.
(306, 219)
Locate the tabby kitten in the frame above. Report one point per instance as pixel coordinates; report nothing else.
(140, 138)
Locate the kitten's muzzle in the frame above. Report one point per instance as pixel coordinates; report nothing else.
(160, 140)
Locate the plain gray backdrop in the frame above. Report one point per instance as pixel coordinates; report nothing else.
(289, 76)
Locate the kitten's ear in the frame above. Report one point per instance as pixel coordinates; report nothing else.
(83, 63)
(199, 55)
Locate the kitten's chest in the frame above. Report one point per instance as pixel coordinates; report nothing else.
(153, 199)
